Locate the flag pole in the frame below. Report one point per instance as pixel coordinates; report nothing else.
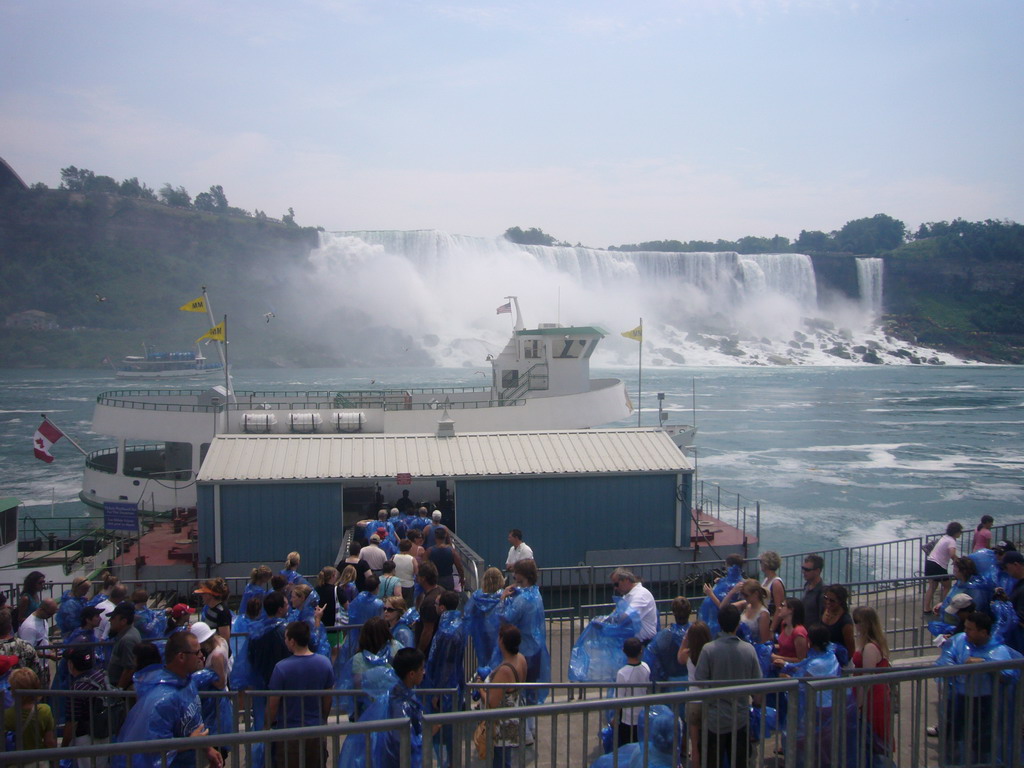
(640, 373)
(227, 376)
(65, 434)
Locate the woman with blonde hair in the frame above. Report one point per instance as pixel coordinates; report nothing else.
(34, 725)
(873, 653)
(481, 617)
(258, 586)
(772, 583)
(347, 591)
(755, 615)
(394, 611)
(291, 568)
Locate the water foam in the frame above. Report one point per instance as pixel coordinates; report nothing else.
(440, 291)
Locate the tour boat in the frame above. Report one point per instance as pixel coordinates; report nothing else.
(541, 380)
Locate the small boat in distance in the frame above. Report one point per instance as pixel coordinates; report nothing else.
(167, 365)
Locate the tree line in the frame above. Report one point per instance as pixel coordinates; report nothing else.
(83, 180)
(870, 236)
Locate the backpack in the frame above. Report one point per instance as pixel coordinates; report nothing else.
(928, 546)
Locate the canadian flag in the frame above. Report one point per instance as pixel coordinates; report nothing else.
(46, 436)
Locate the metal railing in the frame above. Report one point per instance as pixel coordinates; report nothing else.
(858, 721)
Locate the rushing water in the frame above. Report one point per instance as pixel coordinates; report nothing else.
(837, 456)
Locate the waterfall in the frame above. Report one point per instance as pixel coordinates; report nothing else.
(869, 282)
(439, 292)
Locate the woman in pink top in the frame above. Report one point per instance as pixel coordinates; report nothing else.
(936, 566)
(983, 534)
(792, 642)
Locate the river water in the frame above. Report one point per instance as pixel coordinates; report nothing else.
(837, 456)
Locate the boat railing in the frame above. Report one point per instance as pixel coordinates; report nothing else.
(105, 460)
(535, 377)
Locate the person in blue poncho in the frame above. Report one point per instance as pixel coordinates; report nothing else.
(167, 707)
(291, 569)
(977, 703)
(366, 605)
(725, 591)
(1012, 613)
(266, 647)
(662, 733)
(399, 702)
(400, 621)
(968, 581)
(240, 676)
(369, 669)
(445, 667)
(481, 614)
(150, 623)
(662, 653)
(597, 654)
(258, 586)
(69, 614)
(522, 606)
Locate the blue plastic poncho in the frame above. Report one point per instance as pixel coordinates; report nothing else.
(294, 577)
(525, 610)
(597, 654)
(151, 624)
(708, 611)
(662, 733)
(482, 620)
(318, 641)
(167, 707)
(400, 702)
(362, 607)
(366, 671)
(251, 591)
(661, 654)
(764, 658)
(446, 661)
(1006, 627)
(958, 650)
(826, 709)
(979, 589)
(69, 614)
(963, 742)
(241, 673)
(987, 564)
(218, 714)
(403, 631)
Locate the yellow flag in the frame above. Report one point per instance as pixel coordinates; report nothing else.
(637, 334)
(196, 305)
(216, 333)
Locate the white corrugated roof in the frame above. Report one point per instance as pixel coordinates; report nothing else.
(241, 458)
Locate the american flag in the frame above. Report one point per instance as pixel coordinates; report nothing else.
(505, 309)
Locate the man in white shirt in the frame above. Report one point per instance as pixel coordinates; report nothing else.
(519, 550)
(639, 598)
(373, 554)
(35, 629)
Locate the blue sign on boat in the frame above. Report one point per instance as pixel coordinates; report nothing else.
(120, 516)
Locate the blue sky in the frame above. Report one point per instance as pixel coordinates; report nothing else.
(600, 122)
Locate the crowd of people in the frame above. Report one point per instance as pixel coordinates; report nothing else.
(384, 633)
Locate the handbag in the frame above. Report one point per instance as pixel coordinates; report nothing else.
(480, 738)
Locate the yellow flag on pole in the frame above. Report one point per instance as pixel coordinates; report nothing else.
(216, 333)
(637, 334)
(196, 305)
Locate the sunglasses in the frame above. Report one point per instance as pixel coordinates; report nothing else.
(390, 610)
(193, 653)
(808, 568)
(828, 599)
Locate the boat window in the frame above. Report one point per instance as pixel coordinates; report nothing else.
(9, 525)
(570, 348)
(532, 349)
(590, 348)
(202, 452)
(509, 378)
